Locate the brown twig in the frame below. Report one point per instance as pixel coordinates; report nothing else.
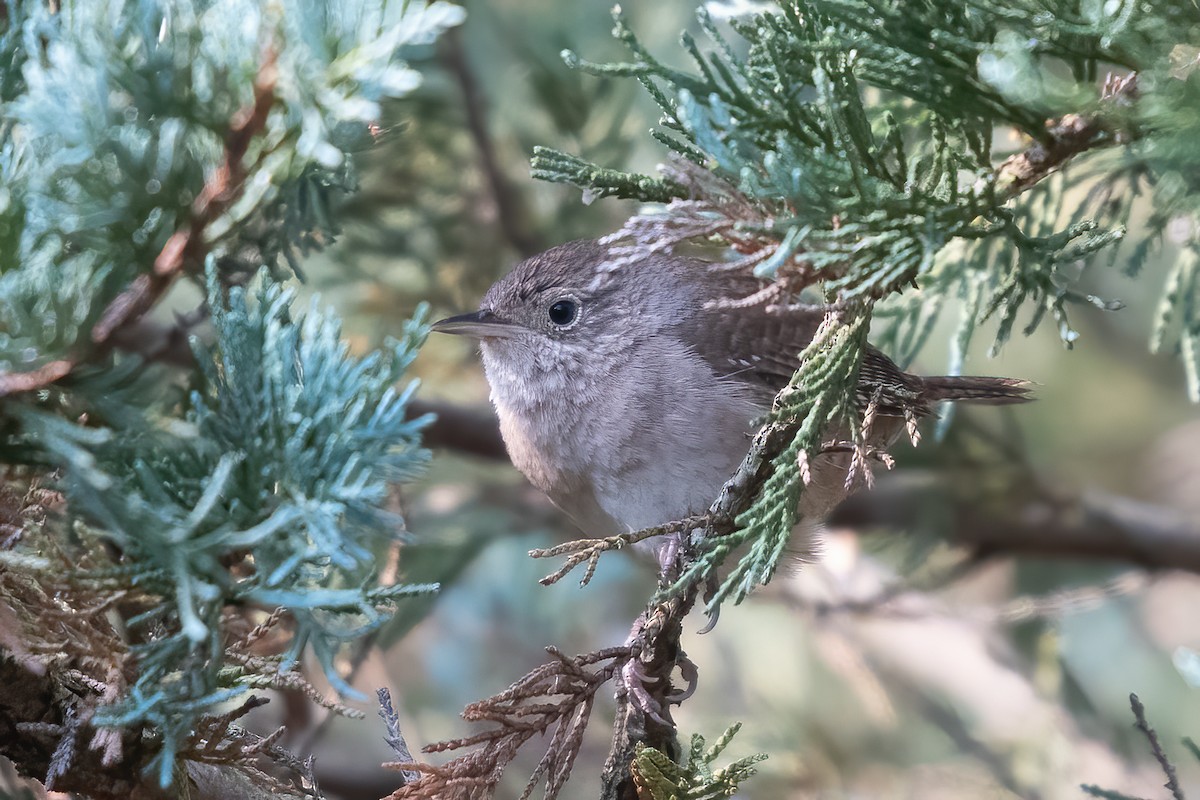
(48, 373)
(163, 344)
(1066, 138)
(590, 550)
(1020, 522)
(465, 429)
(469, 430)
(1139, 715)
(645, 694)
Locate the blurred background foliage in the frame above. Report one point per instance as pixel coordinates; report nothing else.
(1009, 680)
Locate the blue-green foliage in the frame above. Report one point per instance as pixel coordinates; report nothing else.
(261, 478)
(116, 112)
(268, 490)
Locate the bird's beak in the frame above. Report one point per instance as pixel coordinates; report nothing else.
(482, 324)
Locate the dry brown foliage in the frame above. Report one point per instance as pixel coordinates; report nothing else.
(559, 694)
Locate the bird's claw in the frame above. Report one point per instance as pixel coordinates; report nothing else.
(714, 612)
(690, 673)
(635, 681)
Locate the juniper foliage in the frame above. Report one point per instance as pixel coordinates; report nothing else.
(659, 778)
(863, 152)
(149, 141)
(268, 492)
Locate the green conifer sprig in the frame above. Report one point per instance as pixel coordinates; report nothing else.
(660, 778)
(866, 192)
(816, 394)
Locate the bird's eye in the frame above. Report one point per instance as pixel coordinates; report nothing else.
(564, 312)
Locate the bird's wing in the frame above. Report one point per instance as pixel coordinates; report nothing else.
(750, 345)
(760, 346)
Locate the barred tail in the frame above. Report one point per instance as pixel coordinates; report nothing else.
(975, 389)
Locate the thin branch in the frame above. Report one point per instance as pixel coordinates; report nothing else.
(473, 431)
(959, 732)
(1067, 137)
(187, 246)
(1139, 714)
(163, 344)
(465, 429)
(590, 550)
(508, 212)
(1088, 527)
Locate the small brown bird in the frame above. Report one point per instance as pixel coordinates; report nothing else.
(629, 394)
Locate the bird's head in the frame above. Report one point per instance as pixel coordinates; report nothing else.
(569, 310)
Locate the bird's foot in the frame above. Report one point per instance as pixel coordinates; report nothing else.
(636, 681)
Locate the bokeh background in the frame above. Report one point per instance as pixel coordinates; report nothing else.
(1007, 678)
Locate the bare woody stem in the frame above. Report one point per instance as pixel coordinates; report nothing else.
(1067, 137)
(655, 639)
(655, 643)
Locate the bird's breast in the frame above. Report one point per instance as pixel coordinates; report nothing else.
(636, 442)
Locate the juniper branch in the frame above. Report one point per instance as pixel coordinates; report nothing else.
(186, 247)
(552, 165)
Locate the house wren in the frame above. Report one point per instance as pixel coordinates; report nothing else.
(629, 395)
